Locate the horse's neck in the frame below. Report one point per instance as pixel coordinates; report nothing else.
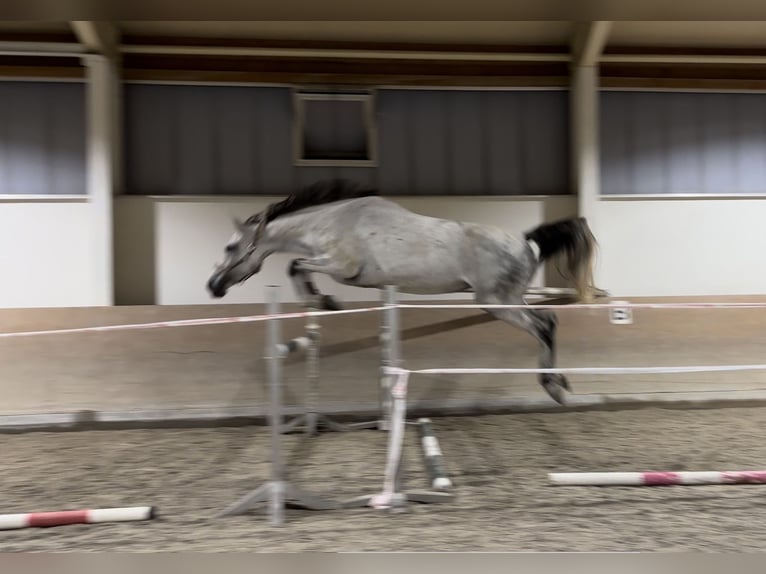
(290, 233)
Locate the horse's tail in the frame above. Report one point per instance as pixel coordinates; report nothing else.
(573, 238)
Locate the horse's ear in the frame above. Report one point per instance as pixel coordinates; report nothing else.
(238, 225)
(260, 229)
(263, 219)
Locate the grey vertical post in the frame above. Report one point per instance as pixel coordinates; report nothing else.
(312, 375)
(312, 420)
(391, 352)
(384, 398)
(394, 463)
(274, 369)
(277, 491)
(393, 415)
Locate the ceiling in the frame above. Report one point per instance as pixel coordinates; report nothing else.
(675, 54)
(698, 35)
(549, 32)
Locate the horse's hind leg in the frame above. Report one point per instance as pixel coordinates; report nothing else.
(541, 324)
(300, 273)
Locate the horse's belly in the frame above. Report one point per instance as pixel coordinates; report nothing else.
(419, 255)
(416, 280)
(433, 289)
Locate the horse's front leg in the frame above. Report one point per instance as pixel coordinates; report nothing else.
(300, 273)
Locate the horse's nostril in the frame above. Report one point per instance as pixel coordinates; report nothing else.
(214, 285)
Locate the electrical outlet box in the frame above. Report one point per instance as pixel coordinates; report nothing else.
(620, 315)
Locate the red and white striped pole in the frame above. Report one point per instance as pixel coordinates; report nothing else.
(681, 478)
(91, 516)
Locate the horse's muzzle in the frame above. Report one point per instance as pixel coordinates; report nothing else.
(217, 286)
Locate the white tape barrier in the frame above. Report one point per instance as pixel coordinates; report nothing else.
(617, 305)
(188, 323)
(581, 370)
(304, 314)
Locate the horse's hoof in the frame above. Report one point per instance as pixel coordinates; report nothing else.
(330, 304)
(555, 390)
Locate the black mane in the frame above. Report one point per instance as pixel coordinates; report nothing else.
(319, 193)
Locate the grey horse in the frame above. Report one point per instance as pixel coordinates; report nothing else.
(361, 239)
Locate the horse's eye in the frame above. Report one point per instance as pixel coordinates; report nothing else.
(230, 248)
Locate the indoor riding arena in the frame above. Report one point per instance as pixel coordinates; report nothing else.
(176, 228)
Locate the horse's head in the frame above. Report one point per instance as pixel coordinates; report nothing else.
(243, 257)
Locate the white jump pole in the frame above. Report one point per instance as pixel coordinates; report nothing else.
(64, 517)
(681, 478)
(433, 456)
